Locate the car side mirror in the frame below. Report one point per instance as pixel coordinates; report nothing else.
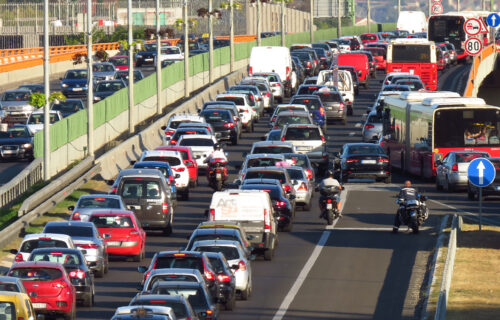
(291, 197)
(177, 176)
(71, 208)
(197, 157)
(132, 162)
(109, 182)
(163, 127)
(60, 79)
(40, 316)
(142, 269)
(190, 163)
(13, 251)
(235, 267)
(139, 287)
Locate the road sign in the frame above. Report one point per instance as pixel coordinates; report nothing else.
(481, 172)
(473, 46)
(472, 26)
(493, 20)
(437, 8)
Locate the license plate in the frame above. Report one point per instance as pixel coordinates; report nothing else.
(39, 305)
(304, 148)
(148, 59)
(114, 243)
(77, 89)
(218, 176)
(329, 206)
(9, 151)
(368, 161)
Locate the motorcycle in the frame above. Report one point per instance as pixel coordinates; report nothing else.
(216, 174)
(328, 203)
(412, 213)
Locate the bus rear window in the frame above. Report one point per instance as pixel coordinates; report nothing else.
(411, 53)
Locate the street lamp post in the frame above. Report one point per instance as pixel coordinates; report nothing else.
(210, 42)
(368, 15)
(186, 50)
(311, 20)
(90, 83)
(283, 42)
(259, 12)
(159, 106)
(131, 104)
(339, 20)
(231, 35)
(46, 108)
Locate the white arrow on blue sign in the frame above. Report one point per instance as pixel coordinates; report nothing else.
(481, 172)
(493, 20)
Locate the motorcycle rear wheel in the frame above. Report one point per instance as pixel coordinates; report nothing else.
(329, 217)
(218, 185)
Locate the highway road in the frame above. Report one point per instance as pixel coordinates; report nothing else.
(356, 269)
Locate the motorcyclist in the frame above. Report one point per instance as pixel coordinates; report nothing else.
(408, 193)
(217, 156)
(329, 181)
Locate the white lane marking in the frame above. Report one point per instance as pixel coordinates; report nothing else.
(352, 134)
(285, 304)
(358, 125)
(475, 215)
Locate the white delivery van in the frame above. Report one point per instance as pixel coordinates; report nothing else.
(412, 21)
(253, 209)
(344, 84)
(272, 59)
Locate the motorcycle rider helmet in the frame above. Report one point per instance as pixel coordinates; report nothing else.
(329, 173)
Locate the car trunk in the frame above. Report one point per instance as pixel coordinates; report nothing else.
(366, 162)
(146, 207)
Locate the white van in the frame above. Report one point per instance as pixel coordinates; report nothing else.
(254, 210)
(344, 84)
(272, 59)
(412, 21)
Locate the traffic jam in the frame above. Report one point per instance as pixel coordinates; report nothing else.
(255, 191)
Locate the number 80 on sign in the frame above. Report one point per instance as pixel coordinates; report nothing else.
(473, 46)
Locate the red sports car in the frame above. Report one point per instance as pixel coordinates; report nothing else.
(189, 161)
(121, 231)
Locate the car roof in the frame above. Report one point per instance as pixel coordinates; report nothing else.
(152, 163)
(172, 252)
(272, 143)
(7, 279)
(140, 172)
(165, 297)
(298, 125)
(223, 243)
(37, 264)
(55, 236)
(215, 230)
(180, 117)
(154, 309)
(69, 250)
(264, 155)
(299, 113)
(220, 224)
(70, 223)
(197, 136)
(109, 212)
(162, 153)
(195, 272)
(266, 169)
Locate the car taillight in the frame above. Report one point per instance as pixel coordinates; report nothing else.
(282, 138)
(170, 179)
(369, 126)
(76, 216)
(77, 274)
(268, 94)
(251, 98)
(352, 160)
(19, 257)
(169, 132)
(267, 220)
(287, 188)
(321, 111)
(341, 107)
(242, 266)
(277, 84)
(454, 167)
(212, 214)
(250, 70)
(288, 73)
(302, 187)
(246, 111)
(113, 190)
(59, 285)
(164, 208)
(223, 278)
(383, 160)
(323, 140)
(229, 125)
(173, 142)
(329, 201)
(308, 64)
(281, 203)
(315, 61)
(88, 246)
(181, 169)
(209, 275)
(309, 174)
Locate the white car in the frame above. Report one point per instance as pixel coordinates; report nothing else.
(176, 120)
(303, 186)
(41, 240)
(36, 119)
(174, 159)
(202, 146)
(286, 107)
(243, 105)
(259, 160)
(235, 256)
(170, 53)
(277, 87)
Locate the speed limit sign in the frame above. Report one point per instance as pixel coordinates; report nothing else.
(473, 46)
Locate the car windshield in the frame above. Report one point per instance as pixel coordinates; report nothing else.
(274, 135)
(37, 118)
(124, 75)
(272, 149)
(171, 277)
(98, 202)
(375, 119)
(163, 170)
(16, 96)
(231, 253)
(179, 308)
(197, 142)
(172, 161)
(274, 191)
(195, 296)
(31, 245)
(103, 68)
(469, 156)
(55, 256)
(33, 88)
(109, 86)
(295, 174)
(298, 160)
(15, 133)
(414, 85)
(8, 310)
(67, 106)
(365, 149)
(150, 47)
(139, 188)
(73, 231)
(119, 61)
(278, 175)
(170, 51)
(262, 162)
(76, 74)
(369, 37)
(11, 287)
(217, 265)
(181, 261)
(214, 116)
(302, 134)
(201, 237)
(36, 274)
(311, 104)
(290, 108)
(283, 120)
(239, 101)
(109, 221)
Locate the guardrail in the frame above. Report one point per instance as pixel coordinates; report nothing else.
(21, 183)
(476, 63)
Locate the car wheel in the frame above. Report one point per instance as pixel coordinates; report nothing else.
(192, 184)
(100, 272)
(288, 227)
(234, 141)
(89, 301)
(229, 305)
(168, 230)
(449, 187)
(438, 185)
(137, 257)
(388, 179)
(71, 315)
(349, 111)
(268, 254)
(106, 265)
(245, 293)
(307, 206)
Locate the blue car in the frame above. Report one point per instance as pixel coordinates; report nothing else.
(164, 167)
(315, 107)
(74, 83)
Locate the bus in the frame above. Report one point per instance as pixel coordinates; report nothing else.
(416, 56)
(449, 27)
(421, 129)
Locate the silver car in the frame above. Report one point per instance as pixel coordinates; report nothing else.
(14, 103)
(235, 256)
(86, 238)
(259, 160)
(303, 186)
(308, 139)
(103, 71)
(170, 274)
(451, 172)
(302, 160)
(372, 128)
(84, 207)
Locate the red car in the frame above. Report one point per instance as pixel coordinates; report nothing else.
(121, 231)
(48, 286)
(189, 161)
(120, 62)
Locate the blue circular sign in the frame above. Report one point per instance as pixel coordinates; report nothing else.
(481, 172)
(493, 20)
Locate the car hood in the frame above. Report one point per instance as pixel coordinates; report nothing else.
(72, 82)
(10, 141)
(103, 74)
(14, 103)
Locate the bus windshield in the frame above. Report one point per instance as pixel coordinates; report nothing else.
(411, 53)
(466, 128)
(445, 28)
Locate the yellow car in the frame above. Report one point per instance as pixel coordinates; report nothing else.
(16, 305)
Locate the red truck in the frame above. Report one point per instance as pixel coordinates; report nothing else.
(360, 62)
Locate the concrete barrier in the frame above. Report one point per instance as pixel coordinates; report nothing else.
(482, 65)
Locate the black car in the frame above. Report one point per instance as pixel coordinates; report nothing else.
(282, 205)
(354, 75)
(363, 160)
(76, 267)
(104, 89)
(223, 123)
(299, 69)
(68, 106)
(219, 43)
(146, 56)
(227, 282)
(16, 142)
(324, 58)
(315, 58)
(123, 75)
(492, 190)
(307, 61)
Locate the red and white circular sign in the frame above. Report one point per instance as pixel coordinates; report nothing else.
(472, 26)
(437, 8)
(473, 46)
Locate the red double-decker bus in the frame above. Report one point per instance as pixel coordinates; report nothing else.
(423, 127)
(416, 56)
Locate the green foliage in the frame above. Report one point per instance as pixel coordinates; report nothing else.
(102, 55)
(57, 95)
(236, 5)
(37, 100)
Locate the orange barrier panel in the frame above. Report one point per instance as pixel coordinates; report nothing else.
(476, 62)
(241, 38)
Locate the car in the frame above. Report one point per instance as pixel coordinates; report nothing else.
(282, 205)
(235, 256)
(392, 78)
(15, 106)
(308, 139)
(452, 51)
(140, 312)
(396, 87)
(315, 107)
(167, 172)
(292, 117)
(413, 84)
(306, 60)
(16, 143)
(36, 119)
(315, 59)
(343, 44)
(275, 173)
(74, 83)
(286, 107)
(276, 84)
(262, 101)
(197, 295)
(178, 303)
(359, 61)
(226, 294)
(363, 160)
(373, 127)
(68, 106)
(34, 87)
(229, 225)
(146, 193)
(301, 160)
(244, 105)
(219, 233)
(451, 171)
(223, 123)
(86, 237)
(264, 86)
(146, 55)
(259, 160)
(169, 274)
(272, 135)
(103, 71)
(176, 162)
(120, 62)
(271, 147)
(12, 284)
(240, 117)
(169, 53)
(75, 265)
(33, 241)
(189, 161)
(309, 87)
(205, 125)
(48, 286)
(105, 88)
(122, 232)
(183, 259)
(201, 145)
(174, 138)
(324, 58)
(380, 56)
(304, 187)
(89, 202)
(335, 108)
(354, 76)
(123, 75)
(17, 305)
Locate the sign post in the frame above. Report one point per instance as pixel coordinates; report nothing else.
(481, 173)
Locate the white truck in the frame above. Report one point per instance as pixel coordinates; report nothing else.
(412, 21)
